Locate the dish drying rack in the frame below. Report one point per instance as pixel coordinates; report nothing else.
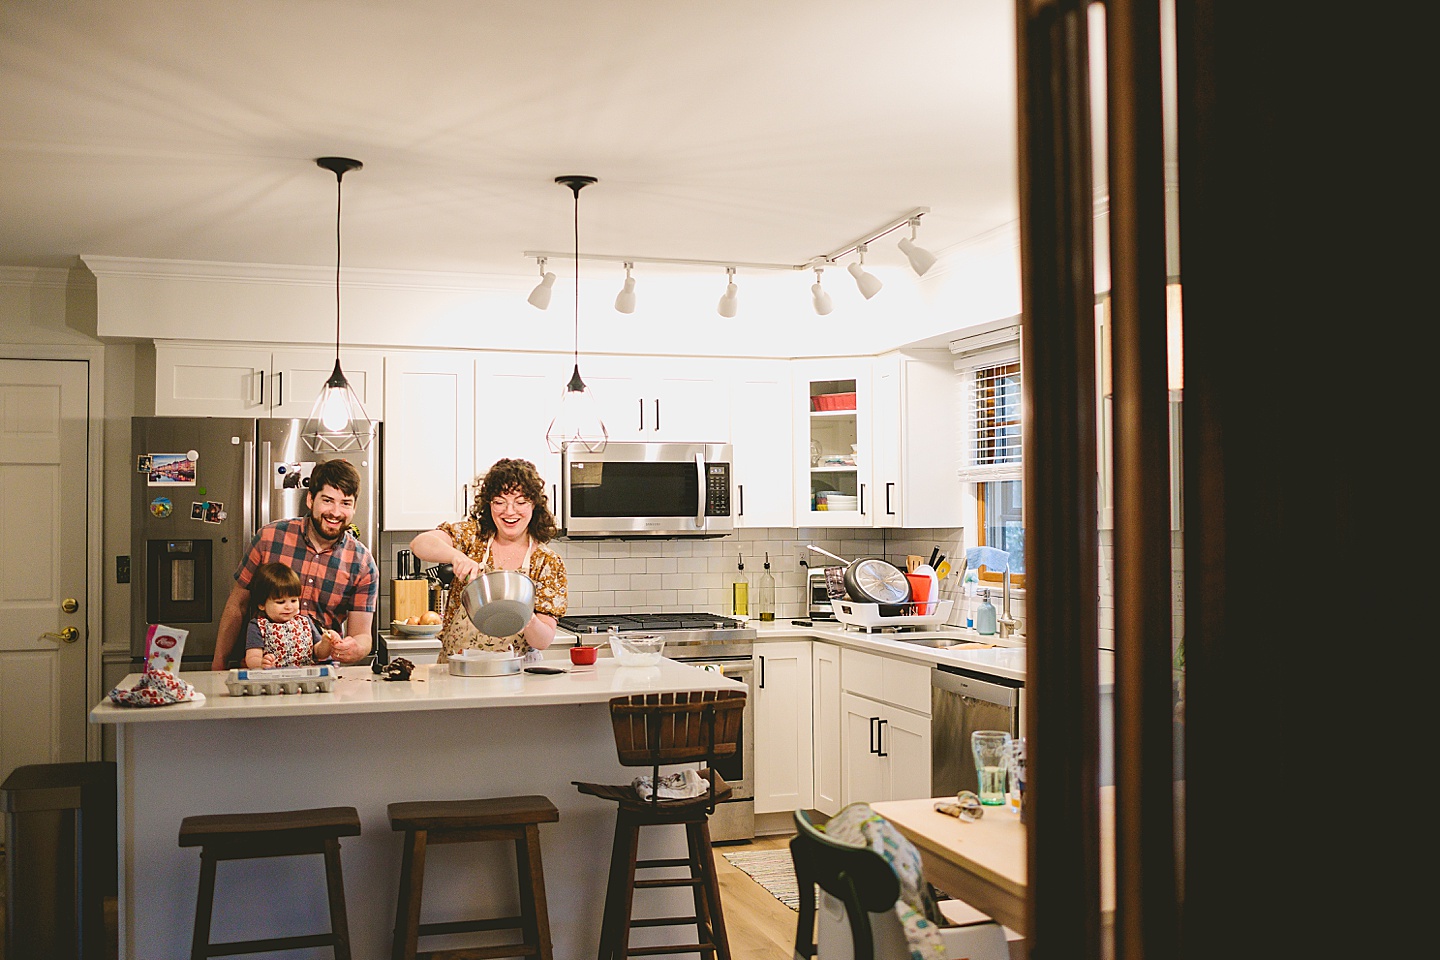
(875, 616)
(280, 680)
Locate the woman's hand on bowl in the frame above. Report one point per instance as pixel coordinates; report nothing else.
(464, 568)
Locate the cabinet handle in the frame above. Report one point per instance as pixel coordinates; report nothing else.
(280, 389)
(465, 499)
(862, 499)
(762, 673)
(741, 488)
(657, 414)
(873, 747)
(641, 401)
(881, 751)
(888, 511)
(257, 387)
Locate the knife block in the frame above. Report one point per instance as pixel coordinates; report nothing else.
(409, 598)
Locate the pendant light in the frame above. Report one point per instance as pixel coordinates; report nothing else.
(578, 422)
(338, 422)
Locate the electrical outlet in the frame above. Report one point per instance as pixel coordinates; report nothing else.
(122, 569)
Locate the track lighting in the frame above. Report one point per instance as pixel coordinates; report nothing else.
(920, 258)
(625, 299)
(823, 303)
(730, 301)
(540, 296)
(868, 284)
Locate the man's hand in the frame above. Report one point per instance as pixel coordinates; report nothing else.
(347, 649)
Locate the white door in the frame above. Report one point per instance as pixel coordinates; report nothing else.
(783, 754)
(43, 504)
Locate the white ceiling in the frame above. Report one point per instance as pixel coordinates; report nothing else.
(746, 130)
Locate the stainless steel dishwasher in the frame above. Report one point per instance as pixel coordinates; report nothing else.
(962, 701)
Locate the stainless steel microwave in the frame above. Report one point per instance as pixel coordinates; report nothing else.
(636, 490)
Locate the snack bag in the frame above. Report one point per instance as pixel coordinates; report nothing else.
(163, 647)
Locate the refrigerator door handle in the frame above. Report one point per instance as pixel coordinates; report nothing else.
(247, 499)
(264, 498)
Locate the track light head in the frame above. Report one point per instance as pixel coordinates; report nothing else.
(625, 299)
(920, 258)
(821, 299)
(540, 296)
(729, 303)
(867, 282)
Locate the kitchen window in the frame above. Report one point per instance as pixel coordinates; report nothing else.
(988, 362)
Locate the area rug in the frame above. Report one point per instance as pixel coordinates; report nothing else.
(773, 870)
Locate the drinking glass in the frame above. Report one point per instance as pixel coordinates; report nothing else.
(992, 751)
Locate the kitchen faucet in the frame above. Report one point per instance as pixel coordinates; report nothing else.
(1005, 621)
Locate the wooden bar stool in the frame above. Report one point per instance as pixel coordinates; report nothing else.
(473, 821)
(249, 836)
(668, 728)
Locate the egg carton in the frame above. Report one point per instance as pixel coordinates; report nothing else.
(278, 680)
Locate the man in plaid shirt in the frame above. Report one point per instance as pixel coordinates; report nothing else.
(339, 582)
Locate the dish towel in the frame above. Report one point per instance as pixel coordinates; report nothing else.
(155, 689)
(990, 558)
(860, 826)
(673, 786)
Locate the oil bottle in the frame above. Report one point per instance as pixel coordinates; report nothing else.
(740, 591)
(765, 594)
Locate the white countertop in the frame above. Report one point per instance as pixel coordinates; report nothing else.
(430, 687)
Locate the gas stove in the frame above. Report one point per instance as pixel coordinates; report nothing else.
(677, 628)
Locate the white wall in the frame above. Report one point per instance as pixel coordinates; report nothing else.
(675, 314)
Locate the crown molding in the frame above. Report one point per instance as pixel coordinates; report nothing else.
(211, 271)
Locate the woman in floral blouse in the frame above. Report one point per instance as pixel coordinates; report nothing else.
(509, 527)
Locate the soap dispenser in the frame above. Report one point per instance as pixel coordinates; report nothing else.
(765, 594)
(985, 616)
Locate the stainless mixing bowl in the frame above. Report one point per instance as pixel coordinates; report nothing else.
(499, 603)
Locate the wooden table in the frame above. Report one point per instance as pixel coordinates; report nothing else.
(983, 862)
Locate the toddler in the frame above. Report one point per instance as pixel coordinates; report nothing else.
(280, 635)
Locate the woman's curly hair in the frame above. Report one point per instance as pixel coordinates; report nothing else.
(514, 476)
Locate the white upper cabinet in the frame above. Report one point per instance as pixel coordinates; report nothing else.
(682, 399)
(516, 398)
(916, 442)
(763, 438)
(218, 380)
(834, 462)
(429, 458)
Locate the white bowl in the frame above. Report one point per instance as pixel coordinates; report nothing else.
(637, 650)
(415, 629)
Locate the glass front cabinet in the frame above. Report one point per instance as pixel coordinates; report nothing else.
(833, 458)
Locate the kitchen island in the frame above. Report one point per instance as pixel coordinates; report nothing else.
(367, 743)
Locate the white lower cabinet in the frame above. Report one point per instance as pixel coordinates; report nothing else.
(885, 730)
(827, 726)
(782, 712)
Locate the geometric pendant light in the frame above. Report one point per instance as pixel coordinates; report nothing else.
(578, 423)
(337, 422)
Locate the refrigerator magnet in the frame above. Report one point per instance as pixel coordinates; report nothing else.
(172, 470)
(142, 463)
(214, 512)
(197, 510)
(161, 507)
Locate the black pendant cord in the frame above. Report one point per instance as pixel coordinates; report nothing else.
(577, 279)
(339, 176)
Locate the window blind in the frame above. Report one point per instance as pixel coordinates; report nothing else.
(993, 440)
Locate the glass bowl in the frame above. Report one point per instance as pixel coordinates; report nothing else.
(637, 650)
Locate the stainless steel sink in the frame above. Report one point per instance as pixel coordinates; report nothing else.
(942, 643)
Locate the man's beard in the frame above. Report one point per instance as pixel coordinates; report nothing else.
(320, 533)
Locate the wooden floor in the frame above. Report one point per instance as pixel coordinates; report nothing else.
(760, 927)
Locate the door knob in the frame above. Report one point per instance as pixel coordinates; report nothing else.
(69, 604)
(68, 635)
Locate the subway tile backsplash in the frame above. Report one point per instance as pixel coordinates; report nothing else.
(652, 576)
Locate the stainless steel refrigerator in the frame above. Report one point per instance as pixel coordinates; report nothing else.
(201, 488)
